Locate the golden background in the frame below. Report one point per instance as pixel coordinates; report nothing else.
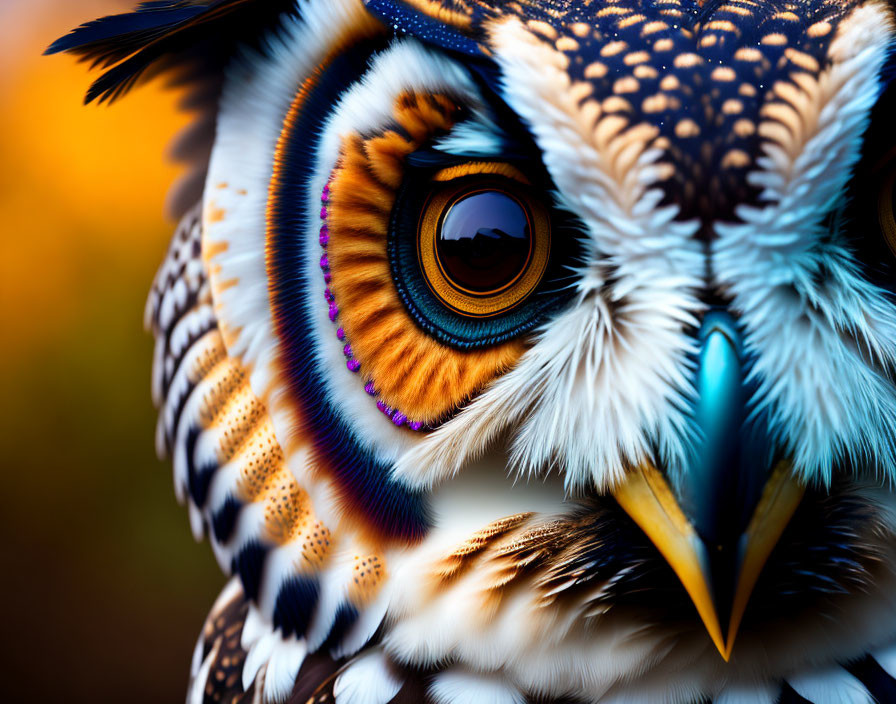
(103, 588)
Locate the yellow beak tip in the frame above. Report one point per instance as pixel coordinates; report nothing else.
(647, 499)
(715, 635)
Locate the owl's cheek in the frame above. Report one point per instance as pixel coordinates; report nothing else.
(306, 286)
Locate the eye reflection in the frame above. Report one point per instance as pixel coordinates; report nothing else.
(484, 242)
(482, 246)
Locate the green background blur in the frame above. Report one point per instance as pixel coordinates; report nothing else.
(103, 588)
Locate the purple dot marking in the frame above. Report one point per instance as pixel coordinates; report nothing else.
(352, 364)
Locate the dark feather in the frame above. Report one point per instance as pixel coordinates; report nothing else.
(876, 680)
(789, 696)
(110, 39)
(295, 605)
(223, 653)
(248, 563)
(407, 18)
(198, 37)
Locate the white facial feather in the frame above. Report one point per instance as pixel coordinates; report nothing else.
(606, 381)
(822, 337)
(254, 103)
(255, 100)
(368, 106)
(478, 135)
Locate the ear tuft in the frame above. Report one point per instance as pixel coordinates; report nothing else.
(167, 34)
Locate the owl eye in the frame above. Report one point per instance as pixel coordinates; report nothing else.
(475, 254)
(483, 246)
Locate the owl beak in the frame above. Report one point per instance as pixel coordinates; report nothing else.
(732, 502)
(647, 498)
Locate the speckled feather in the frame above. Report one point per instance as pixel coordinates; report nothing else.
(699, 73)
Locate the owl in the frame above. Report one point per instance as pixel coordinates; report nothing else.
(538, 351)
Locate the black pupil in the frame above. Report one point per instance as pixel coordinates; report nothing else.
(484, 241)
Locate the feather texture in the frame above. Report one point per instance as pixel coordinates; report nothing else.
(835, 686)
(371, 564)
(166, 34)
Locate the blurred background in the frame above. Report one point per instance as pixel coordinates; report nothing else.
(104, 589)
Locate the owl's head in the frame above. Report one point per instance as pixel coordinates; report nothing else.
(481, 258)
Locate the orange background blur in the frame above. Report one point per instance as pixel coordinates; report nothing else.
(103, 590)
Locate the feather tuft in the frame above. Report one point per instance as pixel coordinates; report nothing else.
(167, 34)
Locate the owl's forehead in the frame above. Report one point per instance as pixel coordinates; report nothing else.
(470, 16)
(614, 36)
(705, 75)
